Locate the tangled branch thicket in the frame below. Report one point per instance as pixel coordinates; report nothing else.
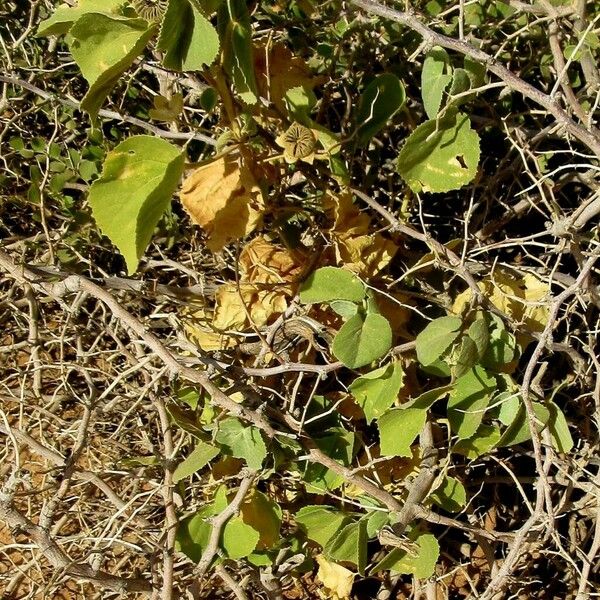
(110, 380)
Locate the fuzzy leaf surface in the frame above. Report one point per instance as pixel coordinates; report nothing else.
(104, 47)
(134, 190)
(440, 156)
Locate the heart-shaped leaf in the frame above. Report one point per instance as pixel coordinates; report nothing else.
(361, 340)
(137, 182)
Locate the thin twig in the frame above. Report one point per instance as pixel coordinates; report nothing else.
(77, 283)
(110, 114)
(590, 138)
(219, 522)
(230, 582)
(52, 552)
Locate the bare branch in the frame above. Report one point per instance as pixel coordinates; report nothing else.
(219, 522)
(590, 138)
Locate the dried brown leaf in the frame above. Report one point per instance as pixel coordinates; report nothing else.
(224, 198)
(355, 247)
(261, 261)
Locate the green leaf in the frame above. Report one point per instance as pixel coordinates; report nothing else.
(461, 82)
(398, 429)
(166, 109)
(242, 441)
(263, 515)
(435, 77)
(260, 559)
(193, 534)
(300, 101)
(436, 338)
(451, 495)
(18, 145)
(137, 182)
(209, 99)
(559, 429)
(376, 520)
(421, 566)
(349, 545)
(236, 40)
(469, 398)
(361, 340)
(321, 523)
(188, 395)
(201, 455)
(518, 431)
(380, 101)
(476, 71)
(185, 418)
(501, 349)
(440, 156)
(510, 403)
(344, 308)
(238, 539)
(64, 16)
(426, 400)
(377, 391)
(339, 445)
(104, 47)
(87, 169)
(478, 331)
(329, 140)
(481, 442)
(187, 38)
(331, 283)
(207, 6)
(439, 368)
(466, 357)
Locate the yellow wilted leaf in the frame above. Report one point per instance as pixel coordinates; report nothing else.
(265, 305)
(266, 263)
(355, 248)
(536, 311)
(522, 299)
(345, 214)
(267, 275)
(366, 254)
(336, 580)
(233, 306)
(224, 198)
(395, 307)
(264, 516)
(229, 307)
(277, 71)
(501, 290)
(198, 329)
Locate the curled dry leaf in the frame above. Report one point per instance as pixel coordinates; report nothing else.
(336, 580)
(261, 261)
(234, 306)
(267, 275)
(224, 198)
(355, 247)
(197, 326)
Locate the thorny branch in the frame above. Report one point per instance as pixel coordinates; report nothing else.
(219, 521)
(54, 553)
(590, 137)
(67, 423)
